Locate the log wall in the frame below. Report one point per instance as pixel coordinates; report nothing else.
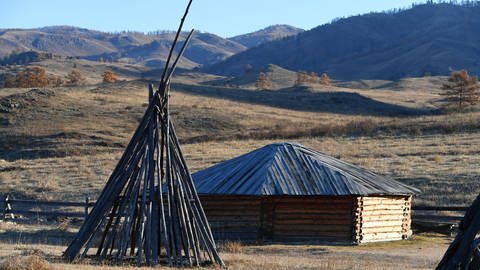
(384, 218)
(335, 219)
(313, 219)
(233, 217)
(280, 218)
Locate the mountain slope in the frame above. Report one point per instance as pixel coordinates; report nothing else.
(133, 47)
(427, 39)
(130, 47)
(270, 33)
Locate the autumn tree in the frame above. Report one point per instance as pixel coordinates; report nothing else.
(461, 90)
(325, 79)
(54, 80)
(306, 77)
(109, 77)
(302, 77)
(29, 77)
(10, 81)
(75, 77)
(263, 81)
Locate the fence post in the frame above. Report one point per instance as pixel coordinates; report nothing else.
(8, 208)
(87, 204)
(4, 207)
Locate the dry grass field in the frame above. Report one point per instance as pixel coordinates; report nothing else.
(46, 254)
(62, 143)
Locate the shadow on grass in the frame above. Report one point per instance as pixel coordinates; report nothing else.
(302, 99)
(50, 237)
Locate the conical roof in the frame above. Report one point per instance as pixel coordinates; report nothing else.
(293, 169)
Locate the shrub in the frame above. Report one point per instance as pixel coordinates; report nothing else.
(231, 247)
(30, 262)
(263, 81)
(30, 77)
(109, 77)
(75, 77)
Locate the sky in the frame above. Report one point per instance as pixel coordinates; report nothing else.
(225, 18)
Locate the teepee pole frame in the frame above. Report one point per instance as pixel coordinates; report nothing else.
(149, 210)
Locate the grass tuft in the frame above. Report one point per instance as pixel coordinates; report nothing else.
(30, 262)
(231, 247)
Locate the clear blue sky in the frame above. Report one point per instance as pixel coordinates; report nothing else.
(222, 17)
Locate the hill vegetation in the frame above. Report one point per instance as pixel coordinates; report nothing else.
(270, 33)
(128, 47)
(428, 39)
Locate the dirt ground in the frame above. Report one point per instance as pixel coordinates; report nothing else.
(422, 251)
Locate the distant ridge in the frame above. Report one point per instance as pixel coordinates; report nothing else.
(132, 47)
(267, 34)
(428, 39)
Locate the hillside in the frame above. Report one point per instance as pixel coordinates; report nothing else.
(127, 47)
(133, 47)
(267, 34)
(426, 39)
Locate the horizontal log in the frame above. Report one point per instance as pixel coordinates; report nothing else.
(240, 223)
(233, 218)
(383, 212)
(319, 221)
(48, 203)
(383, 207)
(439, 208)
(403, 203)
(313, 238)
(234, 228)
(383, 218)
(391, 229)
(376, 224)
(367, 198)
(234, 236)
(46, 213)
(313, 228)
(382, 236)
(313, 199)
(229, 212)
(314, 205)
(436, 218)
(300, 211)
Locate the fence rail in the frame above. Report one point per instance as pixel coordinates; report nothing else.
(441, 219)
(12, 207)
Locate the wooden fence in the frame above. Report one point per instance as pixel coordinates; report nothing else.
(36, 208)
(442, 219)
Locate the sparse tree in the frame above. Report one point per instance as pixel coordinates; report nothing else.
(313, 77)
(302, 77)
(10, 81)
(263, 81)
(54, 81)
(325, 79)
(109, 77)
(306, 77)
(75, 77)
(461, 90)
(30, 77)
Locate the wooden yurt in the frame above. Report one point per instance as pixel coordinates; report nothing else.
(285, 192)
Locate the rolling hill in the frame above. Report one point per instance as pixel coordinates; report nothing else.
(426, 39)
(133, 47)
(270, 33)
